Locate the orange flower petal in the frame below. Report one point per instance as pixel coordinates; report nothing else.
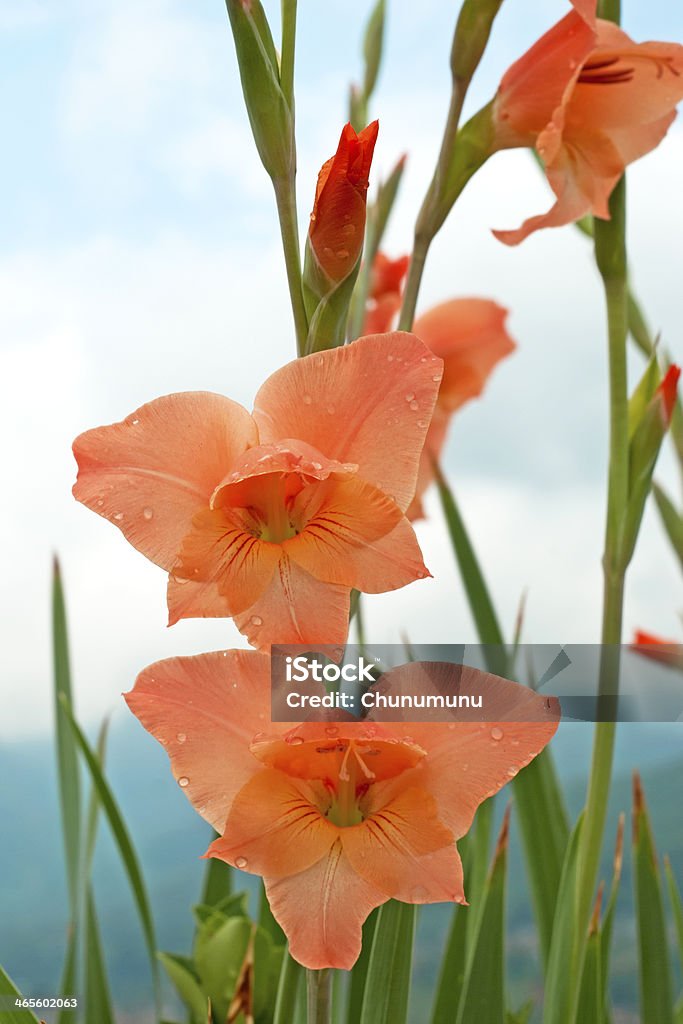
(468, 760)
(274, 828)
(354, 535)
(436, 438)
(220, 549)
(296, 608)
(389, 848)
(470, 336)
(334, 401)
(205, 711)
(322, 911)
(188, 600)
(536, 84)
(153, 471)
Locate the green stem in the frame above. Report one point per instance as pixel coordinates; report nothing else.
(427, 224)
(285, 197)
(318, 996)
(288, 8)
(610, 251)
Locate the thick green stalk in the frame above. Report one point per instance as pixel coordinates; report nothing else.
(319, 996)
(610, 252)
(285, 198)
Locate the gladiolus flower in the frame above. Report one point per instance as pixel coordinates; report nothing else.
(335, 235)
(337, 817)
(384, 299)
(273, 518)
(667, 652)
(471, 338)
(590, 101)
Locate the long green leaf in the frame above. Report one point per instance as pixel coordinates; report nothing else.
(560, 982)
(472, 577)
(656, 992)
(452, 971)
(544, 828)
(97, 997)
(359, 973)
(591, 1000)
(8, 993)
(123, 842)
(672, 520)
(483, 992)
(387, 987)
(676, 905)
(608, 924)
(291, 974)
(67, 755)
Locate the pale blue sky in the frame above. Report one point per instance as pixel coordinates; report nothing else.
(139, 255)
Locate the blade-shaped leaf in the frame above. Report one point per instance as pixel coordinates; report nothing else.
(483, 993)
(291, 974)
(544, 828)
(97, 997)
(387, 987)
(123, 842)
(672, 520)
(359, 972)
(676, 905)
(186, 984)
(9, 992)
(591, 1000)
(656, 994)
(560, 980)
(67, 755)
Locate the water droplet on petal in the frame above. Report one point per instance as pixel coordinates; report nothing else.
(418, 893)
(410, 396)
(134, 422)
(256, 620)
(465, 767)
(331, 410)
(390, 359)
(181, 737)
(496, 734)
(342, 254)
(422, 423)
(307, 400)
(317, 465)
(183, 781)
(148, 513)
(332, 730)
(118, 516)
(414, 406)
(100, 502)
(295, 741)
(349, 230)
(241, 863)
(512, 771)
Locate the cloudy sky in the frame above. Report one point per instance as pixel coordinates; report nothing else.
(139, 255)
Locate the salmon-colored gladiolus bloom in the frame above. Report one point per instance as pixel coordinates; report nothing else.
(471, 337)
(272, 518)
(337, 225)
(590, 101)
(337, 817)
(667, 652)
(386, 286)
